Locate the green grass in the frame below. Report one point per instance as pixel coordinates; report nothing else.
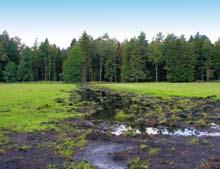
(167, 89)
(24, 106)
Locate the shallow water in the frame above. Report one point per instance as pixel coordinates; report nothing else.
(109, 103)
(100, 154)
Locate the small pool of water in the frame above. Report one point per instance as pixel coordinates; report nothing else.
(123, 129)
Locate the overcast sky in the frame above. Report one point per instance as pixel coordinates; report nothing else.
(61, 21)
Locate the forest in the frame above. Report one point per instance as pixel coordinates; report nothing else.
(168, 58)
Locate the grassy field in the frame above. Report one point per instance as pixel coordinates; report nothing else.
(168, 89)
(24, 106)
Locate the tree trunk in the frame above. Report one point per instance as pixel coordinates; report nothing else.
(156, 70)
(85, 73)
(100, 69)
(202, 76)
(207, 75)
(45, 68)
(54, 71)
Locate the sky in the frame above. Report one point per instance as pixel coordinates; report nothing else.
(62, 20)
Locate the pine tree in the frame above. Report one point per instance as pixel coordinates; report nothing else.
(73, 66)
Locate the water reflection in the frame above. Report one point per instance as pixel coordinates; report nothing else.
(123, 129)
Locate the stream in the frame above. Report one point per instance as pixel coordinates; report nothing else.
(100, 152)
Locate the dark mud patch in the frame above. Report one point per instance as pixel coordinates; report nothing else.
(23, 151)
(32, 158)
(37, 150)
(161, 152)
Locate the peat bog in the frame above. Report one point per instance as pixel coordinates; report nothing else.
(120, 130)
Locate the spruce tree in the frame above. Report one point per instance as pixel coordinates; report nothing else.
(73, 66)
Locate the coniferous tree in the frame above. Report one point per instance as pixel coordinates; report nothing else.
(25, 69)
(110, 63)
(73, 66)
(156, 54)
(216, 60)
(10, 72)
(3, 60)
(85, 44)
(44, 54)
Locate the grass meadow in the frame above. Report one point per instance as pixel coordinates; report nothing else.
(167, 89)
(24, 106)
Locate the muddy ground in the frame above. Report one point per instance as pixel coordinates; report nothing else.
(104, 150)
(93, 138)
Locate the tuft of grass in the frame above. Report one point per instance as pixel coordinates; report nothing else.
(137, 163)
(51, 166)
(24, 148)
(78, 165)
(3, 138)
(172, 149)
(153, 152)
(194, 141)
(143, 146)
(121, 116)
(167, 89)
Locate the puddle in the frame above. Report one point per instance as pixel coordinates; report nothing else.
(108, 103)
(100, 154)
(122, 129)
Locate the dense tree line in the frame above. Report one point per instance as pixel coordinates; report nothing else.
(170, 58)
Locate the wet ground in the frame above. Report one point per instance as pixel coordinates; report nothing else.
(179, 133)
